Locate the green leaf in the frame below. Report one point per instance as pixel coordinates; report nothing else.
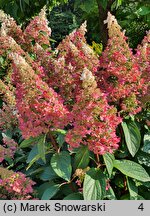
(61, 164)
(132, 169)
(47, 174)
(146, 146)
(133, 190)
(94, 186)
(143, 158)
(43, 187)
(108, 159)
(41, 148)
(37, 157)
(50, 191)
(32, 154)
(67, 189)
(88, 6)
(33, 157)
(74, 196)
(110, 194)
(60, 139)
(81, 158)
(143, 11)
(132, 137)
(27, 143)
(119, 2)
(27, 2)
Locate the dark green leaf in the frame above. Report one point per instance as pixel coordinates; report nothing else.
(132, 169)
(33, 157)
(47, 174)
(61, 164)
(41, 147)
(67, 189)
(81, 158)
(110, 194)
(61, 139)
(50, 191)
(133, 190)
(42, 188)
(74, 196)
(88, 6)
(94, 186)
(132, 137)
(27, 2)
(28, 142)
(108, 159)
(142, 11)
(32, 154)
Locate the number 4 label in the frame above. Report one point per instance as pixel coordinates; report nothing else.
(141, 207)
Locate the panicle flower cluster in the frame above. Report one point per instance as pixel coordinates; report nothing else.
(8, 44)
(38, 30)
(8, 148)
(94, 121)
(16, 186)
(39, 106)
(143, 59)
(73, 55)
(8, 117)
(70, 86)
(66, 63)
(2, 153)
(8, 95)
(119, 75)
(10, 27)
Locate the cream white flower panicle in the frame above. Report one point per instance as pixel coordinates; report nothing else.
(82, 29)
(42, 15)
(3, 16)
(3, 31)
(5, 19)
(87, 49)
(73, 47)
(145, 44)
(17, 59)
(10, 28)
(88, 80)
(112, 25)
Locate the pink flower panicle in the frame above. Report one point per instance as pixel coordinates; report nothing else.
(39, 106)
(119, 76)
(143, 60)
(72, 86)
(17, 186)
(38, 29)
(94, 121)
(8, 117)
(8, 148)
(73, 55)
(10, 27)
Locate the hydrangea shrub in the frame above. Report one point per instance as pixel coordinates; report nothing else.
(69, 104)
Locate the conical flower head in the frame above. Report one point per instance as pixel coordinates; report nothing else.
(38, 31)
(119, 75)
(39, 107)
(93, 121)
(11, 28)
